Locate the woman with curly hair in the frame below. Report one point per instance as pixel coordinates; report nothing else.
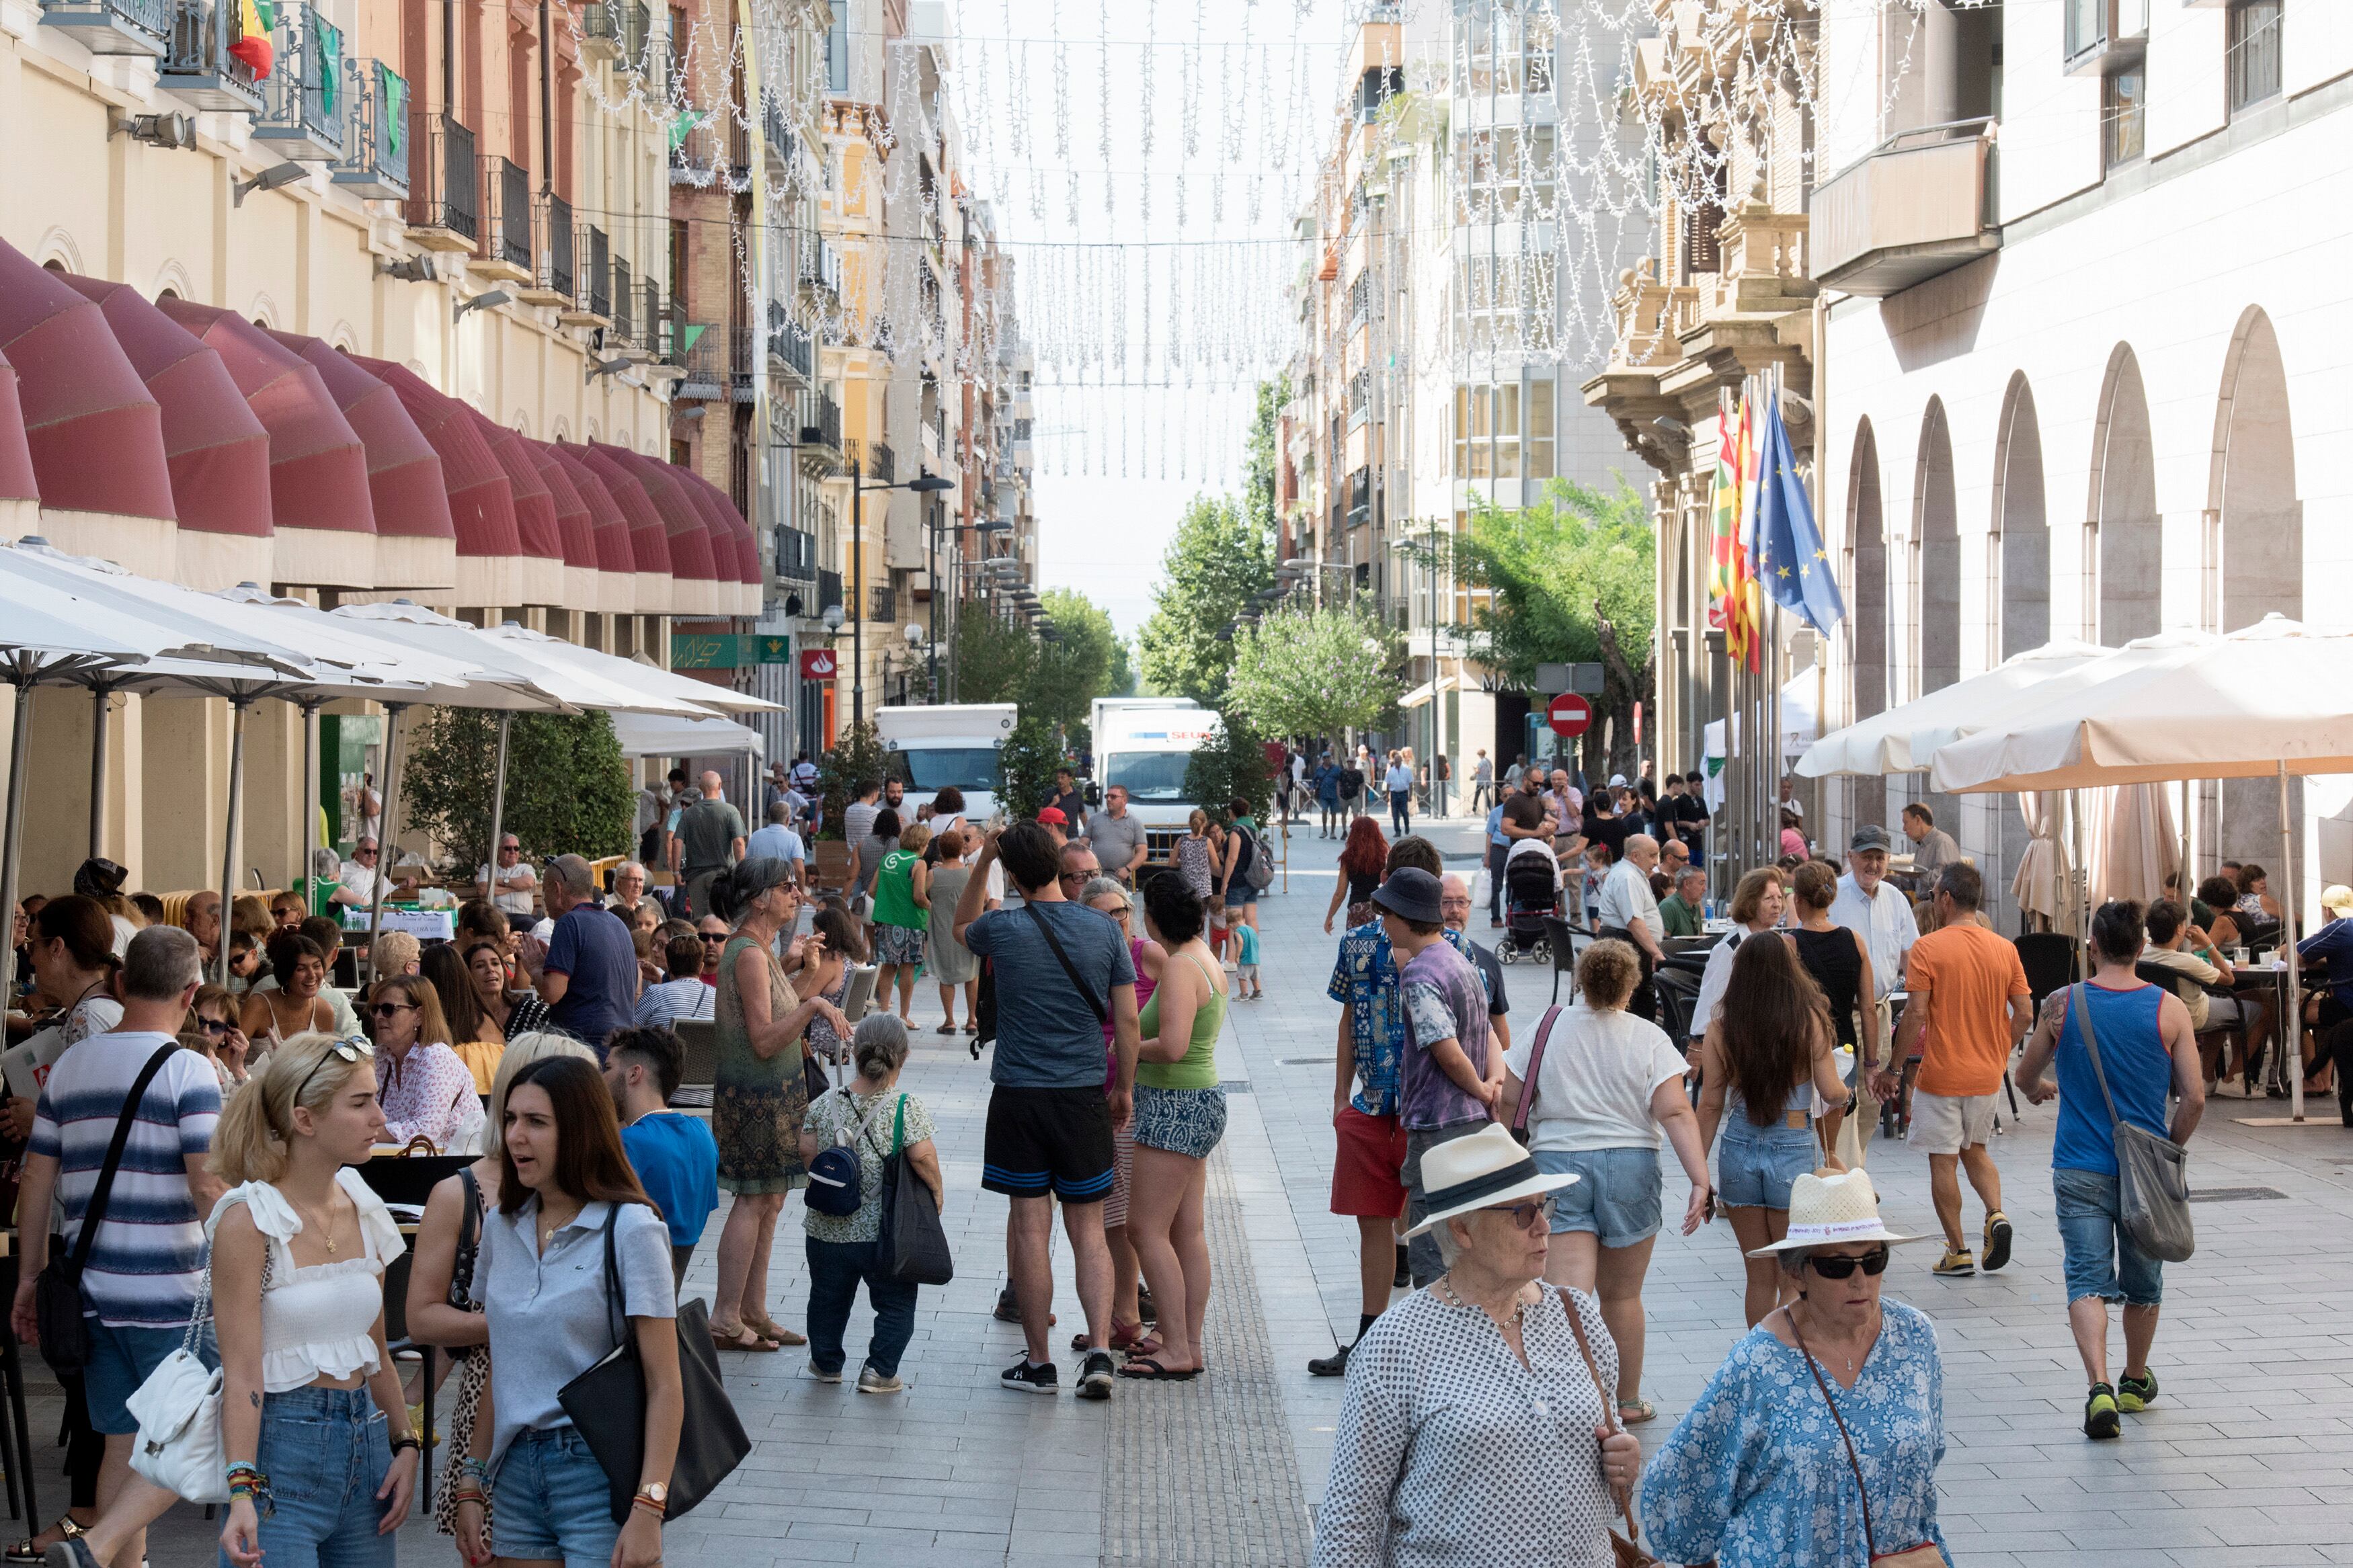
(1363, 858)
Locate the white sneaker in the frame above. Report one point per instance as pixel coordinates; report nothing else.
(872, 1382)
(823, 1376)
(1228, 964)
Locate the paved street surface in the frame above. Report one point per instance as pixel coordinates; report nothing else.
(2246, 1460)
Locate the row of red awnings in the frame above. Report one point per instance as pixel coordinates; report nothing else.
(130, 428)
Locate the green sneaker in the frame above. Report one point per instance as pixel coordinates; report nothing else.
(2100, 1412)
(2135, 1395)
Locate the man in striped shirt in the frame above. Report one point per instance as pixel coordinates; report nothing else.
(147, 1261)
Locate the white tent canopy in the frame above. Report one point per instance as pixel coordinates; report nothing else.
(681, 692)
(649, 735)
(512, 659)
(1885, 742)
(1798, 694)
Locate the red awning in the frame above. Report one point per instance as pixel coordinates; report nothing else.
(93, 432)
(581, 587)
(215, 450)
(658, 593)
(17, 482)
(405, 482)
(324, 517)
(535, 504)
(692, 559)
(482, 505)
(721, 508)
(614, 556)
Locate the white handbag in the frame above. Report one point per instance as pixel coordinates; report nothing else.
(178, 1410)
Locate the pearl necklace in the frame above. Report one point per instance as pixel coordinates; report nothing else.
(1443, 1287)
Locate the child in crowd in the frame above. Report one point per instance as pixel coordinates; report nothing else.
(1246, 981)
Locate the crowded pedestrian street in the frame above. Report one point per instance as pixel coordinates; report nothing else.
(2247, 1460)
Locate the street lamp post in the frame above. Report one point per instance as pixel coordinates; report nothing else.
(921, 485)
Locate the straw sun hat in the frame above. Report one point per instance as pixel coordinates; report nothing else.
(1484, 1169)
(1828, 1211)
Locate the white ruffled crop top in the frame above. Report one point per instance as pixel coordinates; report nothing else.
(317, 1320)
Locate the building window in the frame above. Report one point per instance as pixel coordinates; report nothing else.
(1487, 431)
(837, 51)
(1540, 430)
(2255, 52)
(2087, 25)
(2124, 117)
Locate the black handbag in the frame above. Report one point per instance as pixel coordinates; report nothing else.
(914, 1243)
(984, 1010)
(608, 1405)
(56, 1291)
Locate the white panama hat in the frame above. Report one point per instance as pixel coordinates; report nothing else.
(1484, 1169)
(1831, 1211)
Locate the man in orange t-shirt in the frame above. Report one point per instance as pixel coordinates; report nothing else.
(1969, 996)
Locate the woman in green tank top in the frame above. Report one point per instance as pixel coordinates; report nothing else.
(1180, 1115)
(901, 917)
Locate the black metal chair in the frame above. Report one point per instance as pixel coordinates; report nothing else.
(2052, 961)
(1565, 938)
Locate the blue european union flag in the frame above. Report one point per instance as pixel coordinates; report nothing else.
(1791, 560)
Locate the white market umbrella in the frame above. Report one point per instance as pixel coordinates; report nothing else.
(2133, 843)
(1887, 743)
(635, 674)
(2044, 868)
(651, 735)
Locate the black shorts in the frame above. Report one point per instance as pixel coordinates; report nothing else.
(1042, 1139)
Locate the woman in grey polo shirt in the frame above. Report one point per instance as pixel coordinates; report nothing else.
(562, 1180)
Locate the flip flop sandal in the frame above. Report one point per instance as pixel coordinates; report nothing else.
(972, 1028)
(947, 1029)
(1634, 1411)
(769, 1329)
(1125, 1337)
(745, 1338)
(1145, 1367)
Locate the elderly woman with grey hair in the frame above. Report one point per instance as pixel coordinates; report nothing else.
(1471, 1405)
(1752, 1474)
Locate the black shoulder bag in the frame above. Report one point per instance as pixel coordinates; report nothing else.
(57, 1293)
(608, 1405)
(914, 1244)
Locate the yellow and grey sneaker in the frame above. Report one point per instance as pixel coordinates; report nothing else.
(1997, 1240)
(2100, 1412)
(2135, 1395)
(1957, 1264)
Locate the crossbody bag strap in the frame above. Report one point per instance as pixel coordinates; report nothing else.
(1608, 1402)
(2083, 1007)
(1528, 1085)
(1068, 968)
(93, 1215)
(1870, 1537)
(616, 1308)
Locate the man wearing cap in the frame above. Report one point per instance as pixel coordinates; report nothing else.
(589, 977)
(1450, 1081)
(1055, 821)
(1875, 909)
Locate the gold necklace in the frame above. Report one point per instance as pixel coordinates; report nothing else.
(325, 1227)
(548, 1227)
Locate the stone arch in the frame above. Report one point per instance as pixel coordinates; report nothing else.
(263, 312)
(172, 281)
(2126, 553)
(591, 430)
(58, 251)
(2021, 554)
(560, 429)
(1865, 567)
(521, 423)
(343, 338)
(1936, 584)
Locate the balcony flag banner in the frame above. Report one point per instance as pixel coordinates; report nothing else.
(1724, 523)
(327, 49)
(392, 92)
(256, 20)
(1743, 627)
(1790, 556)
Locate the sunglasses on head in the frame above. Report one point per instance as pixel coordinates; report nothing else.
(353, 1050)
(1839, 1266)
(1527, 1216)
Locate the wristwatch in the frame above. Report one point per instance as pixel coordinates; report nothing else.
(654, 1493)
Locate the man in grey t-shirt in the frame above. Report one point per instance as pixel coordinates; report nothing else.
(1117, 836)
(710, 839)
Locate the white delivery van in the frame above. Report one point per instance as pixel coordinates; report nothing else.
(928, 748)
(1143, 745)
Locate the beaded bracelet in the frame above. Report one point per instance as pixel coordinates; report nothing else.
(480, 1469)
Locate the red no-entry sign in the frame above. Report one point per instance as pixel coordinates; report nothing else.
(1569, 715)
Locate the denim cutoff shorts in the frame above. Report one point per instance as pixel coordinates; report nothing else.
(552, 1501)
(2100, 1258)
(1614, 1197)
(1754, 1165)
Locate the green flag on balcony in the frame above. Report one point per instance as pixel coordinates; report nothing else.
(686, 124)
(391, 100)
(689, 333)
(327, 42)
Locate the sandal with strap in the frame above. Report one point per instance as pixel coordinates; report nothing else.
(744, 1338)
(31, 1549)
(1144, 1366)
(1634, 1411)
(1124, 1338)
(767, 1328)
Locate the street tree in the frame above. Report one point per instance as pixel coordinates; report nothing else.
(1223, 557)
(993, 658)
(1074, 668)
(568, 789)
(1314, 671)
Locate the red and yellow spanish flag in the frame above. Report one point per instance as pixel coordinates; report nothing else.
(1725, 524)
(1734, 600)
(257, 19)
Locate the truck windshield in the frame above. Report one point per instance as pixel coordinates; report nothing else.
(933, 768)
(1155, 778)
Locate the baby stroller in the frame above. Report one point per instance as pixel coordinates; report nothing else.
(1531, 893)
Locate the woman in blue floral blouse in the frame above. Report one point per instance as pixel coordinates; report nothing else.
(1757, 1472)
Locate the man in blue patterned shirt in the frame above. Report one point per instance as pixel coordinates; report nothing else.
(1367, 1183)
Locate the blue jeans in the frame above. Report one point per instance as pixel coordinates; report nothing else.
(550, 1501)
(836, 1271)
(2101, 1258)
(1401, 811)
(325, 1452)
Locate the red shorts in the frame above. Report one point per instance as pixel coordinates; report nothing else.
(1365, 1165)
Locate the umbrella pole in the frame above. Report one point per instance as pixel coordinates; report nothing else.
(102, 699)
(498, 800)
(2291, 1057)
(11, 849)
(303, 874)
(385, 857)
(237, 711)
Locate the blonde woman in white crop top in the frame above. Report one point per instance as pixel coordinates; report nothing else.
(321, 1460)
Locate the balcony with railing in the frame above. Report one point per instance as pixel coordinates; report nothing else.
(198, 67)
(140, 27)
(791, 350)
(623, 306)
(592, 284)
(305, 106)
(822, 435)
(882, 463)
(694, 161)
(820, 266)
(795, 554)
(828, 591)
(653, 320)
(552, 240)
(881, 604)
(445, 202)
(1919, 203)
(701, 353)
(600, 31)
(743, 368)
(376, 163)
(505, 249)
(739, 144)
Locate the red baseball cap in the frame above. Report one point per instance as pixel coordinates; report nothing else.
(1053, 815)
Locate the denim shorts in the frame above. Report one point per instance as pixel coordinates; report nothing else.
(1756, 1165)
(1240, 895)
(325, 1452)
(120, 1361)
(551, 1501)
(2101, 1258)
(1614, 1197)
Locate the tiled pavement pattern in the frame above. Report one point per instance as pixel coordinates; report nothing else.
(2247, 1458)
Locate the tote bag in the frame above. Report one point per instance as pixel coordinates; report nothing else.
(2152, 1171)
(914, 1243)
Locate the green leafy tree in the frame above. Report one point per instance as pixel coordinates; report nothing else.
(993, 659)
(1026, 765)
(568, 789)
(1261, 464)
(1122, 681)
(1230, 765)
(1070, 672)
(1316, 671)
(1221, 557)
(1569, 580)
(856, 758)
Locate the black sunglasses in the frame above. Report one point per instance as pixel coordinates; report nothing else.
(386, 1009)
(353, 1050)
(712, 935)
(1840, 1266)
(216, 1026)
